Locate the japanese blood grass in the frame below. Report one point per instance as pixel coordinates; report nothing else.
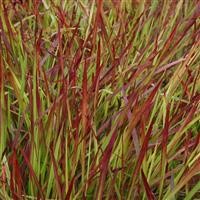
(99, 99)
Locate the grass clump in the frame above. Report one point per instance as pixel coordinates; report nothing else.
(99, 99)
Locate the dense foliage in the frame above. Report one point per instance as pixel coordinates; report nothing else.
(100, 99)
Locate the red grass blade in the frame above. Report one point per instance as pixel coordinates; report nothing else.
(142, 153)
(149, 193)
(32, 174)
(57, 177)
